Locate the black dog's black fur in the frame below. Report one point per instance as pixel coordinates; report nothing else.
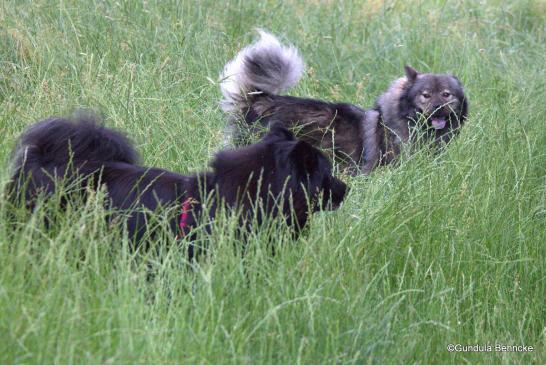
(280, 172)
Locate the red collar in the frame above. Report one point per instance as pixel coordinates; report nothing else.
(184, 213)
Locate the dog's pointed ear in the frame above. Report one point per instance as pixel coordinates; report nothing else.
(305, 156)
(456, 80)
(411, 73)
(278, 130)
(464, 111)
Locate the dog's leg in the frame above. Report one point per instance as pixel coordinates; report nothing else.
(370, 141)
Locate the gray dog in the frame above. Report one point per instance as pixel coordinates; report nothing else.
(430, 105)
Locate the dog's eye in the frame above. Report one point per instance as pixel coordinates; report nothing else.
(446, 94)
(426, 95)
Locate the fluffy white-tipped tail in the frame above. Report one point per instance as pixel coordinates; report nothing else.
(264, 66)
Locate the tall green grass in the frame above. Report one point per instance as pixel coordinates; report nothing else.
(440, 250)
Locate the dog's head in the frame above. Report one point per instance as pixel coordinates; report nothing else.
(306, 167)
(280, 168)
(439, 98)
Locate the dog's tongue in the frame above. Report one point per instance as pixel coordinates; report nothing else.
(438, 123)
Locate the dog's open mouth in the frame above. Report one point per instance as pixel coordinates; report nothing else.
(438, 122)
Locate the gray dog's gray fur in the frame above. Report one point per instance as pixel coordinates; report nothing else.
(360, 139)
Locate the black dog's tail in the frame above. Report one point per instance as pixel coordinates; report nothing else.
(57, 141)
(264, 66)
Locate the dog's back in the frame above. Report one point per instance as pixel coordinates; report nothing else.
(49, 147)
(58, 140)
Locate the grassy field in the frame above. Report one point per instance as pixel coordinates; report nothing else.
(438, 251)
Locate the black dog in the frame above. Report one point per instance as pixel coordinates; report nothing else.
(252, 81)
(279, 176)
